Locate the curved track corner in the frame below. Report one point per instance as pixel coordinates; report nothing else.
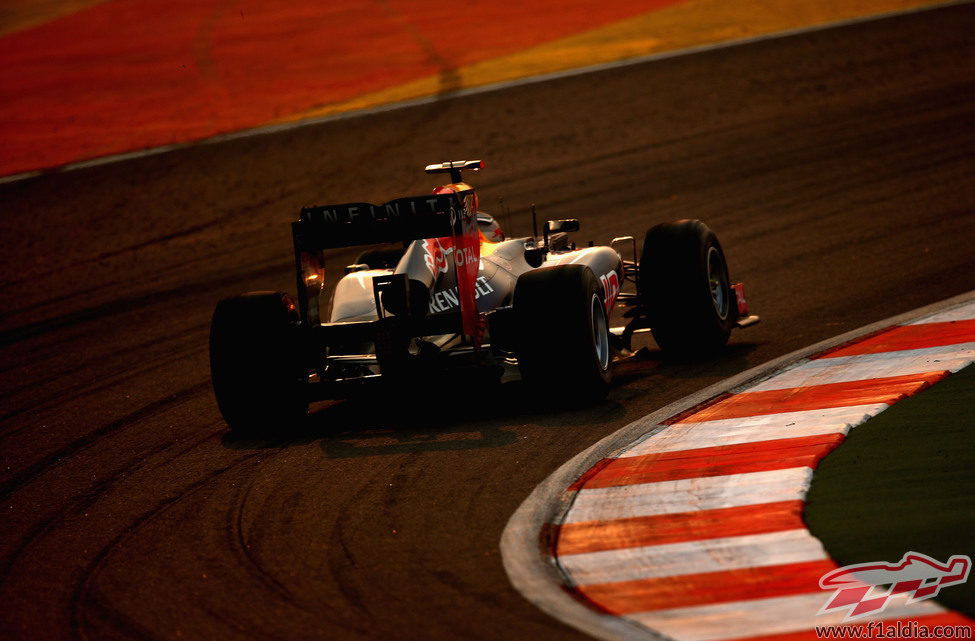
(526, 543)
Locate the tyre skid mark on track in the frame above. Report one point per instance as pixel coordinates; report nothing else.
(128, 304)
(341, 558)
(118, 377)
(84, 596)
(67, 452)
(687, 541)
(84, 501)
(247, 559)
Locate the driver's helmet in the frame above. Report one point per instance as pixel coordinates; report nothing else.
(489, 228)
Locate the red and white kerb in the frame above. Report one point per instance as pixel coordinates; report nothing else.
(696, 531)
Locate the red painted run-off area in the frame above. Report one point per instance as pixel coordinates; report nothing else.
(133, 74)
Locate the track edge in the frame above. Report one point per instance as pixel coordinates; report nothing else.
(539, 580)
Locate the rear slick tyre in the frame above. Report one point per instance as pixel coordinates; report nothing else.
(255, 363)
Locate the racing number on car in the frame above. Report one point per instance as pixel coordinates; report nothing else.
(611, 288)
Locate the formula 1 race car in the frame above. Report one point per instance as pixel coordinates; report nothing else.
(456, 298)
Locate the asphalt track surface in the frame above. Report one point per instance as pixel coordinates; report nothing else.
(836, 167)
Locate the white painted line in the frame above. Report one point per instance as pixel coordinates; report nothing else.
(866, 366)
(689, 495)
(693, 557)
(759, 617)
(965, 312)
(735, 431)
(472, 91)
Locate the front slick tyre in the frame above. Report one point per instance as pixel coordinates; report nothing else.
(684, 283)
(563, 333)
(255, 363)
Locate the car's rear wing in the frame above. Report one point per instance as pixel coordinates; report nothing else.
(447, 214)
(326, 227)
(403, 219)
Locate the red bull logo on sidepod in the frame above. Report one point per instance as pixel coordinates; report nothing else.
(861, 588)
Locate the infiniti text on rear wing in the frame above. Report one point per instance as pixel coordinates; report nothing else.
(402, 219)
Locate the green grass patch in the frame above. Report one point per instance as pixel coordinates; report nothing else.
(904, 481)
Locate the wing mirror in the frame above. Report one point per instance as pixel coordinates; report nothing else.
(554, 226)
(566, 225)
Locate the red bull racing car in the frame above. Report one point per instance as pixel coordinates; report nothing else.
(456, 297)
